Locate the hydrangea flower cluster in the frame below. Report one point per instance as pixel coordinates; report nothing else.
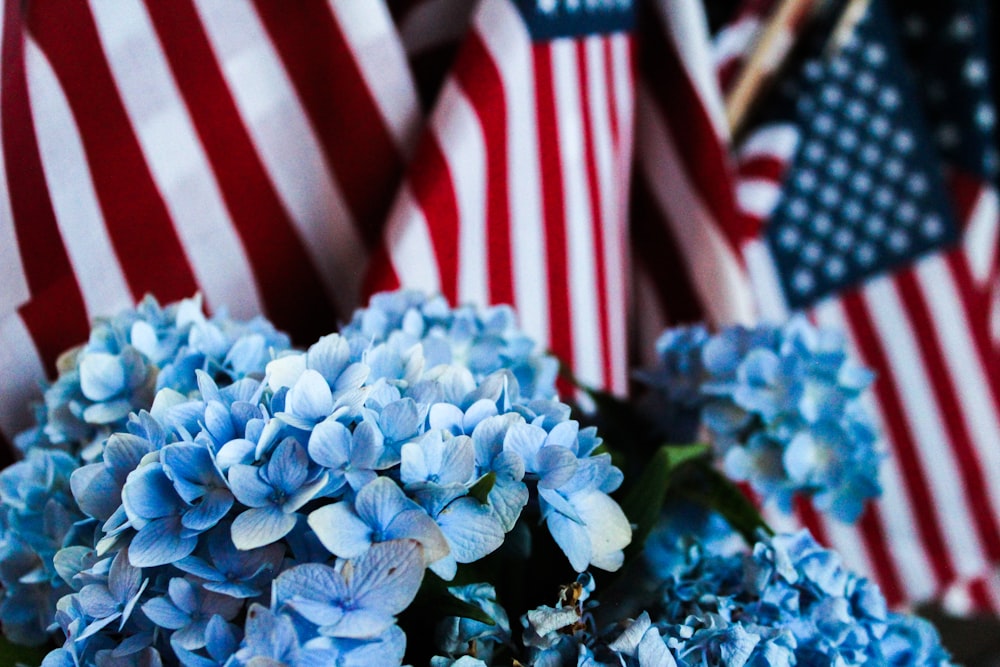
(127, 358)
(783, 407)
(305, 507)
(133, 355)
(788, 602)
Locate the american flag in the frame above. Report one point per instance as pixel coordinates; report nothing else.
(887, 227)
(516, 193)
(248, 150)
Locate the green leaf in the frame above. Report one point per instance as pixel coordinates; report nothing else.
(643, 503)
(717, 492)
(439, 602)
(15, 654)
(481, 489)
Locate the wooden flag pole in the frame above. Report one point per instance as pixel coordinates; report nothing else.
(769, 51)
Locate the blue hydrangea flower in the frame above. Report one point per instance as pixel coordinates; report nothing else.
(482, 341)
(788, 602)
(783, 406)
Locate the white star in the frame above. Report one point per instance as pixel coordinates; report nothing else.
(856, 110)
(898, 241)
(805, 104)
(865, 254)
(985, 116)
(803, 281)
(822, 223)
(829, 195)
(866, 82)
(853, 211)
(875, 54)
(917, 184)
(840, 67)
(812, 70)
(843, 239)
(831, 95)
(838, 168)
(789, 238)
(962, 27)
(903, 141)
(798, 209)
(812, 252)
(974, 71)
(806, 180)
(894, 169)
(880, 126)
(823, 124)
(835, 268)
(861, 182)
(884, 198)
(948, 136)
(814, 151)
(871, 154)
(847, 139)
(875, 226)
(932, 226)
(889, 98)
(906, 212)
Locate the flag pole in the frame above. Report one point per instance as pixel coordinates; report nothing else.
(766, 57)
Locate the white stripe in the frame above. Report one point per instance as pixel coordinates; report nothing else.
(716, 272)
(687, 29)
(771, 303)
(580, 262)
(776, 141)
(176, 159)
(408, 238)
(982, 236)
(369, 30)
(460, 137)
(898, 523)
(889, 317)
(611, 191)
(13, 284)
(22, 372)
(846, 540)
(434, 24)
(757, 196)
(499, 25)
(287, 145)
(624, 97)
(71, 190)
(972, 386)
(734, 41)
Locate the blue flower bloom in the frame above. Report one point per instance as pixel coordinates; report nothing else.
(783, 406)
(114, 599)
(187, 611)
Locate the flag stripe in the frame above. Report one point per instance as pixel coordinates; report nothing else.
(45, 262)
(249, 197)
(481, 81)
(553, 194)
(74, 201)
(355, 141)
(71, 42)
(873, 354)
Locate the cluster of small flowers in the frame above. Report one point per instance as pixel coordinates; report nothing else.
(301, 502)
(127, 358)
(788, 602)
(783, 407)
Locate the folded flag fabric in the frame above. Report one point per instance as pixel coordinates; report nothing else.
(245, 150)
(516, 193)
(886, 226)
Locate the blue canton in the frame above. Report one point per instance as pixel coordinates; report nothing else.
(948, 46)
(551, 19)
(864, 194)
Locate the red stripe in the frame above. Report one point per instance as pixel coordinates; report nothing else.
(279, 260)
(809, 518)
(974, 480)
(768, 168)
(553, 194)
(965, 191)
(55, 316)
(982, 601)
(380, 275)
(700, 148)
(344, 113)
(904, 448)
(431, 182)
(977, 306)
(479, 77)
(138, 223)
(609, 76)
(870, 528)
(598, 221)
(654, 245)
